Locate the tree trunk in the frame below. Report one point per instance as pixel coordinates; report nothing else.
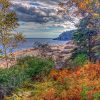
(2, 93)
(6, 57)
(89, 47)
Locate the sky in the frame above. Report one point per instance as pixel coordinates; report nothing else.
(39, 18)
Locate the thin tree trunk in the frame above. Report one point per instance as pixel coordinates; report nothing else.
(6, 57)
(89, 48)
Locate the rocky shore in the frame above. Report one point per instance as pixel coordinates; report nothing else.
(59, 53)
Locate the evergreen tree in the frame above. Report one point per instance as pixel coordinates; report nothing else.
(87, 35)
(87, 38)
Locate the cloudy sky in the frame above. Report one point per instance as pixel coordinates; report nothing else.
(39, 18)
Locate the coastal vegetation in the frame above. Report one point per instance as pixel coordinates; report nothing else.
(38, 78)
(87, 35)
(27, 69)
(81, 83)
(9, 39)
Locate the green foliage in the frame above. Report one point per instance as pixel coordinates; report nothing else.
(32, 90)
(39, 88)
(1, 56)
(81, 40)
(86, 37)
(24, 71)
(36, 66)
(63, 85)
(97, 96)
(85, 91)
(80, 59)
(9, 39)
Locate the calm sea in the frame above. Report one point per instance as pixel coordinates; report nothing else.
(31, 42)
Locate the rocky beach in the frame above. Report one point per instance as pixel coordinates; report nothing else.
(57, 52)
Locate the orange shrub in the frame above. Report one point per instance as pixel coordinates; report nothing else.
(88, 76)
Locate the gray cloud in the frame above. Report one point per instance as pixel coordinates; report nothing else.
(39, 11)
(38, 18)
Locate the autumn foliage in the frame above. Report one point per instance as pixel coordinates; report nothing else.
(90, 7)
(83, 81)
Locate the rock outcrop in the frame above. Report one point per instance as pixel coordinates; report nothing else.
(65, 36)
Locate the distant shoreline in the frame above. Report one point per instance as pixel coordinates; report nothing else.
(31, 42)
(58, 51)
(38, 38)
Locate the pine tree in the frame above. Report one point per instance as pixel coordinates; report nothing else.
(87, 38)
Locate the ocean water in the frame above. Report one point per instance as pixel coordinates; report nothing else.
(30, 42)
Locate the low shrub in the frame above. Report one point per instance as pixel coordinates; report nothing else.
(82, 83)
(26, 69)
(79, 60)
(36, 66)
